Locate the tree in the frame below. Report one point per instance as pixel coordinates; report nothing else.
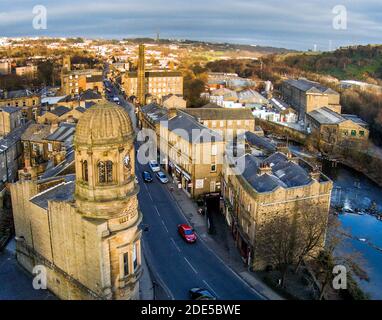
(275, 243)
(329, 258)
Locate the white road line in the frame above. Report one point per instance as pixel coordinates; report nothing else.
(157, 211)
(218, 257)
(176, 246)
(164, 226)
(209, 287)
(150, 196)
(189, 263)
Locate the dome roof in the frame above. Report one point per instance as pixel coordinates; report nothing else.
(103, 123)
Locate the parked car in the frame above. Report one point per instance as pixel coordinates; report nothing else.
(201, 294)
(187, 233)
(147, 177)
(154, 166)
(162, 177)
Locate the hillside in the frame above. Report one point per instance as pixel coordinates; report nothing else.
(359, 63)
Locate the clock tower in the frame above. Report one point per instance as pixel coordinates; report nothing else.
(106, 190)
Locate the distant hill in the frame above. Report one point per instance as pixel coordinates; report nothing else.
(359, 63)
(214, 45)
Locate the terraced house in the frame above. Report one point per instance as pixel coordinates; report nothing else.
(28, 101)
(258, 189)
(192, 153)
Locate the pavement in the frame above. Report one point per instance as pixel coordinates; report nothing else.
(220, 241)
(176, 266)
(16, 282)
(171, 266)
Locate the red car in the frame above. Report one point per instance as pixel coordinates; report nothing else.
(187, 233)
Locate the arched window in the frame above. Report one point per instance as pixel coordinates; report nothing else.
(105, 171)
(85, 176)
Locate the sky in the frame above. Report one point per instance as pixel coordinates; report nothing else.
(292, 24)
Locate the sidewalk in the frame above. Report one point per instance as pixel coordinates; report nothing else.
(221, 242)
(146, 291)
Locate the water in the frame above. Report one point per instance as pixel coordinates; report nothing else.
(354, 190)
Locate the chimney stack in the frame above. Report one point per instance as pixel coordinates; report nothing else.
(264, 168)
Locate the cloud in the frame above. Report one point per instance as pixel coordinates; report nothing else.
(293, 24)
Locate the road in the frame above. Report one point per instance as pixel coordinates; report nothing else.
(176, 265)
(179, 265)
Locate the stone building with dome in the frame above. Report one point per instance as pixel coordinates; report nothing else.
(83, 228)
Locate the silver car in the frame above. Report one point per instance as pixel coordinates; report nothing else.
(162, 177)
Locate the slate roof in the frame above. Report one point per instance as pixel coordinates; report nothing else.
(356, 120)
(90, 95)
(191, 129)
(61, 192)
(326, 116)
(260, 142)
(60, 110)
(155, 112)
(15, 94)
(13, 137)
(311, 86)
(36, 132)
(9, 109)
(64, 132)
(54, 171)
(220, 113)
(284, 173)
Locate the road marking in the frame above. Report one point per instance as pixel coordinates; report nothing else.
(164, 226)
(176, 246)
(150, 196)
(209, 287)
(157, 211)
(217, 256)
(189, 263)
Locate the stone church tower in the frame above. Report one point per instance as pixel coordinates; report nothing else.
(84, 228)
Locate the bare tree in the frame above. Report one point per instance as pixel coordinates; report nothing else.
(275, 243)
(330, 257)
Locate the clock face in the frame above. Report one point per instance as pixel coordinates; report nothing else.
(126, 161)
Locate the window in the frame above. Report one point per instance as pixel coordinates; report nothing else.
(214, 150)
(135, 257)
(362, 133)
(345, 132)
(105, 171)
(126, 264)
(85, 171)
(213, 167)
(353, 133)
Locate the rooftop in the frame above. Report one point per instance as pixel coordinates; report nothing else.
(326, 116)
(283, 173)
(311, 86)
(191, 130)
(61, 192)
(220, 113)
(36, 132)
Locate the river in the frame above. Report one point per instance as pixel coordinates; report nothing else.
(355, 190)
